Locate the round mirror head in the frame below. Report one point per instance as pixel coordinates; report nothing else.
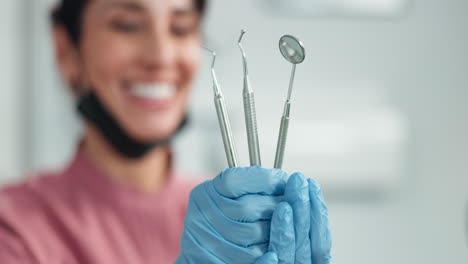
(292, 49)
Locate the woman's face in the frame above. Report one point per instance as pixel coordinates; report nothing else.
(140, 57)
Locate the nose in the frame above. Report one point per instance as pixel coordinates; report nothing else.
(159, 52)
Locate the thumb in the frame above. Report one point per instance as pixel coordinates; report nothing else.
(268, 258)
(320, 237)
(282, 236)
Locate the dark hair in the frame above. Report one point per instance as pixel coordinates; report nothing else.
(69, 14)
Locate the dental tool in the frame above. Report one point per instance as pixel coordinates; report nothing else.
(293, 51)
(249, 111)
(223, 118)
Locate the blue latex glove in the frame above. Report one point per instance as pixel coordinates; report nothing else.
(320, 235)
(282, 238)
(312, 232)
(228, 218)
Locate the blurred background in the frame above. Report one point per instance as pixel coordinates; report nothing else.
(379, 112)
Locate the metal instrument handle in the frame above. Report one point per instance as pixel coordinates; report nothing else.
(251, 125)
(283, 135)
(226, 133)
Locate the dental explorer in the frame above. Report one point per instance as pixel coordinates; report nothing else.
(293, 51)
(223, 118)
(249, 111)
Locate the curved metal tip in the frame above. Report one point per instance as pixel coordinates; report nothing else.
(244, 56)
(241, 35)
(213, 54)
(213, 73)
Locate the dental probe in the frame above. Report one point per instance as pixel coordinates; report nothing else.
(249, 111)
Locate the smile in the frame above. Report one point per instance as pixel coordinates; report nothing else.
(153, 91)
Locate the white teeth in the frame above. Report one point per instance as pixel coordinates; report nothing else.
(153, 91)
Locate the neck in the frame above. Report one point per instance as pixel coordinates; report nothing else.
(145, 174)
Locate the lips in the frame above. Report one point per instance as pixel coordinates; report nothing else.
(153, 95)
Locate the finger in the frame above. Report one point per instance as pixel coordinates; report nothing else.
(320, 236)
(201, 255)
(235, 182)
(203, 240)
(282, 234)
(247, 208)
(297, 195)
(246, 233)
(268, 258)
(214, 249)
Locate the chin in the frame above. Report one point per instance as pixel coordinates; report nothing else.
(154, 132)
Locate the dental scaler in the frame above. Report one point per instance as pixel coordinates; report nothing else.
(223, 118)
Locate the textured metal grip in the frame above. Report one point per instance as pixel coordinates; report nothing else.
(251, 125)
(225, 127)
(283, 134)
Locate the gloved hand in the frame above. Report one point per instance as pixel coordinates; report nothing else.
(282, 239)
(307, 239)
(312, 232)
(228, 218)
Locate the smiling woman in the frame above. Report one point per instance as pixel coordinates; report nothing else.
(131, 64)
(140, 58)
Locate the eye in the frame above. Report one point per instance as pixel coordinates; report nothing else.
(127, 26)
(182, 30)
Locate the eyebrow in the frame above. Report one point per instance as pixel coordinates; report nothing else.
(178, 12)
(181, 12)
(125, 5)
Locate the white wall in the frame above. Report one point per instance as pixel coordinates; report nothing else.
(11, 123)
(416, 64)
(420, 63)
(54, 122)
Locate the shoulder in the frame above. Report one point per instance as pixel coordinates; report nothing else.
(24, 193)
(29, 206)
(26, 200)
(22, 213)
(30, 193)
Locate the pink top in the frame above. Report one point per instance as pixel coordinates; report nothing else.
(81, 216)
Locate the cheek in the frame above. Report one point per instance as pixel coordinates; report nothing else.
(189, 63)
(105, 60)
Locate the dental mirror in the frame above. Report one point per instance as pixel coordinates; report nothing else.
(292, 49)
